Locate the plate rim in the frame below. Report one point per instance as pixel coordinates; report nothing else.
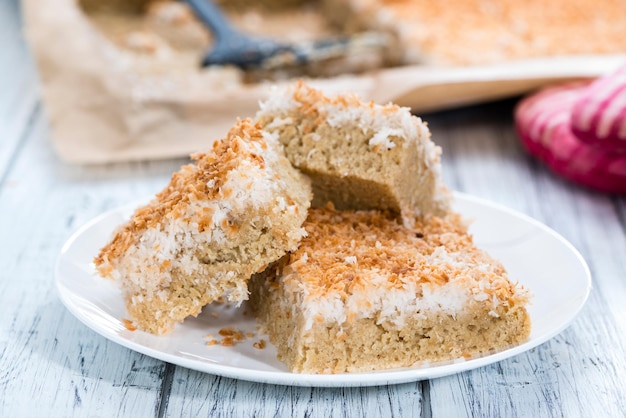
(355, 379)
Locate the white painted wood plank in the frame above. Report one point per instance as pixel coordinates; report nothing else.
(481, 155)
(45, 353)
(198, 394)
(580, 372)
(18, 88)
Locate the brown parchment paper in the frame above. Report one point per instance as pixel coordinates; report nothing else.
(101, 110)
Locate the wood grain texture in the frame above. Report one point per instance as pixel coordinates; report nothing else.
(52, 365)
(218, 396)
(18, 87)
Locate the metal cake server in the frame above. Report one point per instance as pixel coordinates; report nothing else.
(233, 47)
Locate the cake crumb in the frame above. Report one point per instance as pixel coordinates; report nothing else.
(128, 324)
(228, 342)
(211, 342)
(260, 345)
(231, 336)
(227, 331)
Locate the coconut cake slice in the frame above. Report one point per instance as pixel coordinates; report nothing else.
(239, 207)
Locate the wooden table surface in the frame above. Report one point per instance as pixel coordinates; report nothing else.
(53, 365)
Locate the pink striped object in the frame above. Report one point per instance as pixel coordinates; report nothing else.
(544, 123)
(599, 114)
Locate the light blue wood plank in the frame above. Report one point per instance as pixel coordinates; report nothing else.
(45, 353)
(198, 394)
(18, 86)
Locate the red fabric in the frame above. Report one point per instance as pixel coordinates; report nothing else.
(543, 122)
(599, 114)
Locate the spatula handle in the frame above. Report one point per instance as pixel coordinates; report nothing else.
(213, 17)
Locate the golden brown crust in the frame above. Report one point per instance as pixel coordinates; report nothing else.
(480, 32)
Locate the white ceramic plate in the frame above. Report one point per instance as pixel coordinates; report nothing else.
(534, 255)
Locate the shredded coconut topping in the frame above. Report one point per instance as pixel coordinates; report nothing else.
(400, 271)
